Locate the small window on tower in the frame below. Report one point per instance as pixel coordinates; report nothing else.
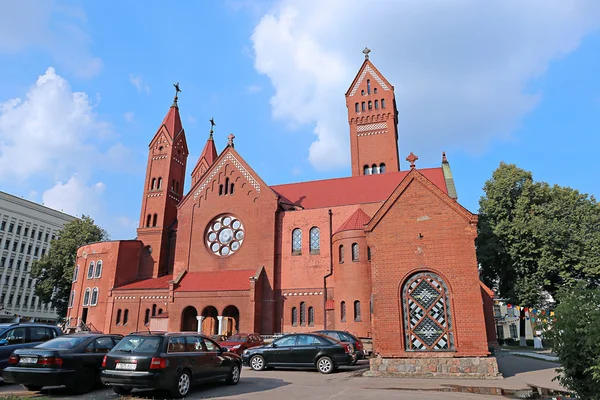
(173, 184)
(154, 220)
(177, 187)
(382, 103)
(362, 92)
(375, 90)
(381, 168)
(356, 107)
(231, 189)
(159, 186)
(377, 104)
(221, 190)
(368, 86)
(148, 220)
(364, 106)
(374, 169)
(226, 185)
(370, 105)
(153, 186)
(366, 170)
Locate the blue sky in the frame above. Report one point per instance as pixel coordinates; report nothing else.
(86, 84)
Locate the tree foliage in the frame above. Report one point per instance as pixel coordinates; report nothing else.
(535, 238)
(576, 340)
(54, 270)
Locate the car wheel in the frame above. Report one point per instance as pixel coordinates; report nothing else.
(86, 381)
(234, 375)
(325, 365)
(182, 384)
(121, 390)
(33, 388)
(257, 363)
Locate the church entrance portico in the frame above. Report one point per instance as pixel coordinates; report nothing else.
(189, 321)
(231, 321)
(209, 321)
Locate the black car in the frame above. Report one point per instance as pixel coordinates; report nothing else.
(300, 350)
(15, 336)
(70, 360)
(171, 361)
(357, 345)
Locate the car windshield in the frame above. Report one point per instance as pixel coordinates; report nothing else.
(64, 342)
(138, 344)
(237, 338)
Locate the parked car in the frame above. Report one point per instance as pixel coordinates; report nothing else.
(218, 338)
(17, 336)
(172, 361)
(345, 337)
(70, 360)
(242, 341)
(300, 350)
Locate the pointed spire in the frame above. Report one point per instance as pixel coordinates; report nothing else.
(210, 151)
(172, 120)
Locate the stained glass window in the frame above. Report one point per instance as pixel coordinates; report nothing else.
(354, 252)
(302, 313)
(427, 317)
(225, 235)
(315, 240)
(297, 241)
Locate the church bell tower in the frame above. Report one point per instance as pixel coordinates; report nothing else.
(373, 120)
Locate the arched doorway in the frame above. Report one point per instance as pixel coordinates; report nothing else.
(210, 323)
(189, 322)
(231, 320)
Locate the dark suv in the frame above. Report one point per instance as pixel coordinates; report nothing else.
(17, 336)
(171, 361)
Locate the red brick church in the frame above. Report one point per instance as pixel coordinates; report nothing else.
(387, 253)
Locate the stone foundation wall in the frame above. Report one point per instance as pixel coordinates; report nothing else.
(468, 367)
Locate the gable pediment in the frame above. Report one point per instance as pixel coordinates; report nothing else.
(373, 73)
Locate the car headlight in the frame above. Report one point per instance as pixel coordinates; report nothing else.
(236, 347)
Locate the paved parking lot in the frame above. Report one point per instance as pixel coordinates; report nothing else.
(347, 384)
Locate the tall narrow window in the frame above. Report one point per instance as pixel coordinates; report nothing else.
(311, 316)
(377, 104)
(173, 185)
(226, 185)
(356, 107)
(382, 103)
(231, 189)
(118, 320)
(159, 311)
(341, 255)
(343, 311)
(177, 187)
(302, 313)
(366, 170)
(315, 240)
(159, 183)
(153, 310)
(125, 316)
(370, 105)
(98, 269)
(368, 253)
(375, 90)
(221, 190)
(147, 317)
(94, 300)
(154, 220)
(294, 316)
(71, 299)
(354, 252)
(148, 220)
(297, 241)
(86, 297)
(428, 322)
(368, 86)
(357, 311)
(363, 106)
(76, 273)
(381, 168)
(374, 169)
(90, 273)
(153, 185)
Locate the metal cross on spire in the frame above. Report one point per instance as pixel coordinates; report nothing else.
(177, 91)
(212, 125)
(411, 159)
(366, 52)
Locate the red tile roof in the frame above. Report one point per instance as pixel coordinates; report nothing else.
(173, 121)
(352, 190)
(228, 280)
(154, 283)
(356, 221)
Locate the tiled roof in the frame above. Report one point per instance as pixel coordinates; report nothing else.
(154, 283)
(352, 190)
(227, 280)
(173, 121)
(356, 221)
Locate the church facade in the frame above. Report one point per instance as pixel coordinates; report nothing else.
(386, 253)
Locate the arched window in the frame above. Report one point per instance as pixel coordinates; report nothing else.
(177, 187)
(153, 310)
(154, 220)
(153, 185)
(148, 220)
(231, 189)
(362, 92)
(297, 241)
(311, 316)
(147, 317)
(71, 299)
(125, 316)
(366, 170)
(356, 107)
(94, 297)
(76, 274)
(381, 168)
(341, 255)
(368, 253)
(90, 273)
(221, 190)
(302, 313)
(343, 311)
(427, 322)
(363, 106)
(374, 169)
(375, 90)
(294, 316)
(159, 185)
(368, 86)
(382, 103)
(226, 185)
(377, 104)
(86, 297)
(98, 273)
(370, 105)
(357, 311)
(173, 185)
(354, 252)
(315, 240)
(159, 311)
(118, 320)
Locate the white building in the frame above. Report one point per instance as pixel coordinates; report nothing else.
(26, 229)
(507, 323)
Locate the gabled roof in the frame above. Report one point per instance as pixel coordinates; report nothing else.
(210, 152)
(367, 67)
(352, 190)
(214, 281)
(153, 283)
(356, 221)
(172, 121)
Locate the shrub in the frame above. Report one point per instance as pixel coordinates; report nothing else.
(501, 342)
(575, 336)
(529, 342)
(509, 341)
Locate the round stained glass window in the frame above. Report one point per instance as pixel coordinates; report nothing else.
(225, 235)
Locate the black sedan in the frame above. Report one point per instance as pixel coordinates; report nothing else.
(73, 361)
(300, 350)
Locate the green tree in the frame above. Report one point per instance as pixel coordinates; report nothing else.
(54, 270)
(576, 340)
(534, 239)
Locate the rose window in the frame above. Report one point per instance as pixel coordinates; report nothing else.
(225, 235)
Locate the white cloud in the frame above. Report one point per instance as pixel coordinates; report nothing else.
(58, 29)
(138, 82)
(75, 197)
(129, 116)
(253, 88)
(460, 68)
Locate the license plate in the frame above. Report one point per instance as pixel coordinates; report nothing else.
(28, 360)
(126, 366)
